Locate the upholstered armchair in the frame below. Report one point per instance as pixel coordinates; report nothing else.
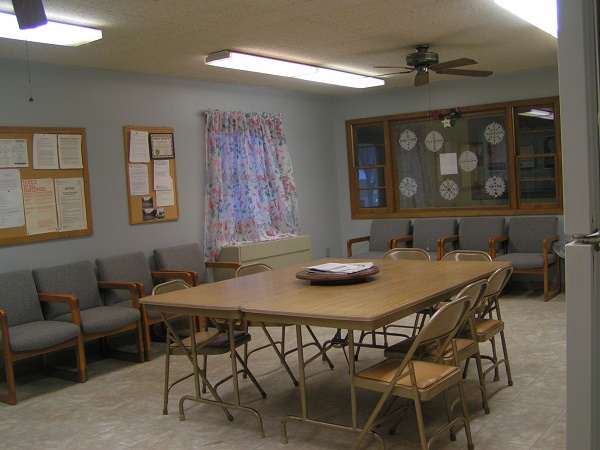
(429, 234)
(528, 245)
(380, 236)
(78, 282)
(25, 334)
(474, 233)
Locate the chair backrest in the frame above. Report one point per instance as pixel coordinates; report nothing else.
(475, 291)
(182, 257)
(132, 267)
(249, 269)
(78, 278)
(170, 286)
(415, 254)
(18, 297)
(497, 281)
(427, 231)
(442, 327)
(526, 234)
(474, 233)
(467, 255)
(382, 230)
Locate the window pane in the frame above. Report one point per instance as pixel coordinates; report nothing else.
(370, 156)
(372, 198)
(459, 166)
(368, 178)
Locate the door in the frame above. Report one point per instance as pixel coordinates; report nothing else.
(578, 81)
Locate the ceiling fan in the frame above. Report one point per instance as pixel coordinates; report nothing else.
(422, 61)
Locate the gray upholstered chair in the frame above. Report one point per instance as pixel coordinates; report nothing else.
(134, 268)
(428, 234)
(78, 281)
(188, 258)
(474, 233)
(382, 231)
(528, 246)
(24, 333)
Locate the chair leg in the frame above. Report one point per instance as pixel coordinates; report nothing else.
(80, 358)
(506, 361)
(10, 397)
(486, 407)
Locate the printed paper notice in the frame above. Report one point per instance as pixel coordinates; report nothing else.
(165, 198)
(11, 199)
(70, 200)
(13, 153)
(40, 206)
(139, 149)
(45, 151)
(162, 178)
(69, 151)
(138, 179)
(448, 164)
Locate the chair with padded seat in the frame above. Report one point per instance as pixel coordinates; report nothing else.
(417, 380)
(134, 268)
(528, 246)
(206, 342)
(25, 334)
(474, 233)
(428, 234)
(79, 281)
(381, 233)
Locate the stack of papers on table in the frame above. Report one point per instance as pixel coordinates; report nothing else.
(339, 268)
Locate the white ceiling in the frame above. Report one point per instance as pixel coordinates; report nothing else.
(171, 37)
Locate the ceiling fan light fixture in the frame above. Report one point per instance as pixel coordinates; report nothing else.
(52, 33)
(540, 13)
(270, 66)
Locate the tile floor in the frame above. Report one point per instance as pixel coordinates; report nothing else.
(120, 407)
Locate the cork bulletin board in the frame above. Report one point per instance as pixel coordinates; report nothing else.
(44, 184)
(151, 174)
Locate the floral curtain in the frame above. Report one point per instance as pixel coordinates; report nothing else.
(250, 187)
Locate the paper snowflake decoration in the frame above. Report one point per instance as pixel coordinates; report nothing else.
(408, 187)
(494, 133)
(448, 189)
(467, 161)
(495, 186)
(408, 139)
(434, 141)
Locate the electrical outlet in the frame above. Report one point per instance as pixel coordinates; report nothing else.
(327, 252)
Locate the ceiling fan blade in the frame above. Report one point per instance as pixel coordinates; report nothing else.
(453, 63)
(394, 67)
(465, 73)
(422, 78)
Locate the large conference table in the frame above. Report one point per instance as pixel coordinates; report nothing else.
(400, 289)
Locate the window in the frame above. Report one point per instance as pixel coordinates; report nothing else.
(495, 159)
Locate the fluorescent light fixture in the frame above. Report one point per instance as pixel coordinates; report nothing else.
(260, 64)
(541, 13)
(539, 113)
(52, 33)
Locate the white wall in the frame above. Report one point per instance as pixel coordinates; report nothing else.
(103, 102)
(436, 96)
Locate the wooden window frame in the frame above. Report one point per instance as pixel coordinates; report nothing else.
(391, 207)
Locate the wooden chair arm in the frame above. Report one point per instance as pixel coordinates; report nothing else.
(136, 290)
(493, 242)
(4, 333)
(221, 265)
(397, 240)
(441, 244)
(189, 276)
(351, 241)
(71, 300)
(546, 243)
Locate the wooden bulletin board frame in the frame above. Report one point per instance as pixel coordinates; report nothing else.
(147, 208)
(19, 234)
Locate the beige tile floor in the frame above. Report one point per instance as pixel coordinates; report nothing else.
(120, 407)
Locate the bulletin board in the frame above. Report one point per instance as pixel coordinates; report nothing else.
(151, 174)
(44, 184)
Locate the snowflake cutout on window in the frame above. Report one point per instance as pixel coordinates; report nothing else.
(448, 189)
(434, 141)
(467, 161)
(408, 187)
(495, 186)
(408, 139)
(494, 133)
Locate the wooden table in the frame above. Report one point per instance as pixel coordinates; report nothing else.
(400, 289)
